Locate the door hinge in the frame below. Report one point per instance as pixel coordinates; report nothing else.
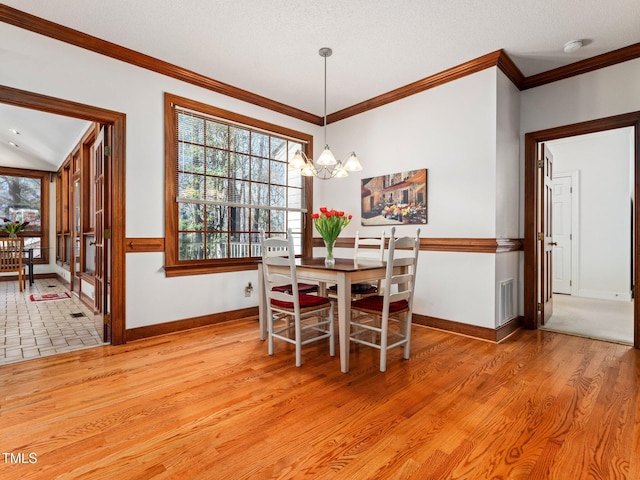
(107, 150)
(107, 319)
(571, 283)
(540, 235)
(107, 233)
(540, 163)
(539, 307)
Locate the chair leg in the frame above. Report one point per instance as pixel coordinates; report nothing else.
(298, 333)
(407, 346)
(270, 333)
(383, 344)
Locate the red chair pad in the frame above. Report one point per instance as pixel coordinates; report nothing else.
(302, 288)
(375, 303)
(306, 301)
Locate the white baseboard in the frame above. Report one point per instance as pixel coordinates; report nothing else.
(603, 295)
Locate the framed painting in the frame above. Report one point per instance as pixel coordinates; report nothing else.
(396, 199)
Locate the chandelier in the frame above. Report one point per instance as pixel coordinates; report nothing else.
(327, 166)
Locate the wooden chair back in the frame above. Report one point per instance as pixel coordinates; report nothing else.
(11, 257)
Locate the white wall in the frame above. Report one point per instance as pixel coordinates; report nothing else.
(507, 265)
(603, 93)
(425, 131)
(38, 64)
(603, 161)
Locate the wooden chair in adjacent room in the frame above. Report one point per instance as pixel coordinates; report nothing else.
(294, 317)
(384, 321)
(11, 259)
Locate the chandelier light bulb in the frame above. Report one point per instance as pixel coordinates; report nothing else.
(327, 165)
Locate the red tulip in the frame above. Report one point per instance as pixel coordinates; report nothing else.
(323, 209)
(315, 215)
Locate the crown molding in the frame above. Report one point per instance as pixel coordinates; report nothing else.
(473, 66)
(498, 58)
(68, 35)
(583, 66)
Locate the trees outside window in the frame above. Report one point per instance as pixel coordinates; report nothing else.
(228, 180)
(24, 197)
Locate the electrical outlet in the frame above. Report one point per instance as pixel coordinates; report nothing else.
(248, 290)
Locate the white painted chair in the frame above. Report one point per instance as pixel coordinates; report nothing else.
(365, 249)
(384, 321)
(292, 316)
(374, 253)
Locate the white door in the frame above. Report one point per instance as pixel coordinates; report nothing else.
(562, 235)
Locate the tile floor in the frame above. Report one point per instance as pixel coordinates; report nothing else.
(37, 329)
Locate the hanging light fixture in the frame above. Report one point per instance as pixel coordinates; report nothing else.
(327, 165)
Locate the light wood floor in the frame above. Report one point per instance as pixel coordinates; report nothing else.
(211, 404)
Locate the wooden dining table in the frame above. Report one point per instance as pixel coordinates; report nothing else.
(343, 274)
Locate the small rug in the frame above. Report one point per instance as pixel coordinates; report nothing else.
(50, 296)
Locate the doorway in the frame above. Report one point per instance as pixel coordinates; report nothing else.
(114, 298)
(536, 212)
(592, 201)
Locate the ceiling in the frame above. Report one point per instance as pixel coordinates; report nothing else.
(270, 48)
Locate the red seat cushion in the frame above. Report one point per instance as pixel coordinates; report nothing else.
(357, 288)
(302, 288)
(375, 303)
(306, 301)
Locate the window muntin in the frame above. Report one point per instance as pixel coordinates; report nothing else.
(230, 181)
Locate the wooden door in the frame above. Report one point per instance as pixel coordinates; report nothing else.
(545, 234)
(76, 235)
(101, 159)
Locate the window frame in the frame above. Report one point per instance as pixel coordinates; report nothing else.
(175, 267)
(43, 233)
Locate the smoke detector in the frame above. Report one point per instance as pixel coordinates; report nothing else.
(572, 46)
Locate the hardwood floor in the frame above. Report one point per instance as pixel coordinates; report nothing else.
(211, 404)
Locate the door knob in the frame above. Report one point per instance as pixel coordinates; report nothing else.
(553, 243)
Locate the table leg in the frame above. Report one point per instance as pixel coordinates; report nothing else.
(30, 267)
(344, 318)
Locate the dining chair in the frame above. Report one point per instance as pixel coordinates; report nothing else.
(375, 253)
(373, 250)
(384, 321)
(11, 258)
(302, 287)
(294, 317)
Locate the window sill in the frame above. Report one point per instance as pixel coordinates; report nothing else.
(204, 269)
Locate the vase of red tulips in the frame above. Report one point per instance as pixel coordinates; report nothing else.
(329, 223)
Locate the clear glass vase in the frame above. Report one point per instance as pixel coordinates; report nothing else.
(329, 261)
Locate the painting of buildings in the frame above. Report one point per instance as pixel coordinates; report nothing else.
(399, 198)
